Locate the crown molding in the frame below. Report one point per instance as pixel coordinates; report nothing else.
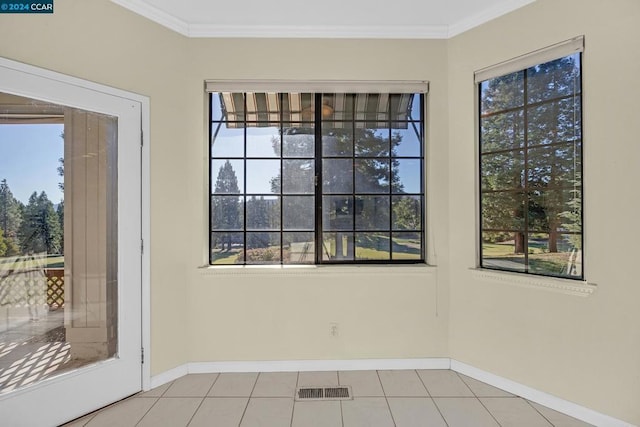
(319, 31)
(141, 7)
(485, 16)
(156, 15)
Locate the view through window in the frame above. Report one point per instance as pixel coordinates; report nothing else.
(58, 240)
(531, 170)
(309, 178)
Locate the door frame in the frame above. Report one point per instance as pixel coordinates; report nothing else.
(145, 227)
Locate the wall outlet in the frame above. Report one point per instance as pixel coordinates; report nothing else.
(333, 329)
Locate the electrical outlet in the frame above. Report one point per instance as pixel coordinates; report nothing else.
(333, 329)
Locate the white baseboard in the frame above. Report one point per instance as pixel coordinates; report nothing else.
(545, 399)
(319, 365)
(564, 406)
(168, 376)
(298, 365)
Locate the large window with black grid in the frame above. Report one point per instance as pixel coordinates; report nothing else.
(316, 178)
(530, 135)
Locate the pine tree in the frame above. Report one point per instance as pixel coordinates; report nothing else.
(10, 218)
(225, 205)
(40, 230)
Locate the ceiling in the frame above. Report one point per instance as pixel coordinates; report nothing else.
(422, 19)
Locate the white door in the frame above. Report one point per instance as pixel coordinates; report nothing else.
(70, 296)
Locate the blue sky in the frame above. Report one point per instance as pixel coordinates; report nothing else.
(29, 159)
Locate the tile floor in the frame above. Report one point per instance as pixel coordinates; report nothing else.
(380, 398)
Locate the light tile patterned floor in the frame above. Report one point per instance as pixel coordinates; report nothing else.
(437, 398)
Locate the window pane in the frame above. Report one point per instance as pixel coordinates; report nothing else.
(298, 140)
(502, 171)
(553, 122)
(406, 246)
(337, 213)
(217, 112)
(337, 247)
(406, 176)
(233, 106)
(297, 107)
(337, 139)
(559, 210)
(342, 105)
(503, 251)
(337, 176)
(372, 175)
(558, 165)
(227, 140)
(373, 142)
(503, 210)
(554, 79)
(263, 248)
(406, 213)
(414, 113)
(227, 248)
(299, 176)
(263, 176)
(502, 93)
(372, 213)
(227, 176)
(502, 131)
(403, 106)
(263, 141)
(298, 213)
(298, 248)
(373, 246)
(227, 213)
(263, 213)
(554, 255)
(372, 107)
(262, 107)
(406, 142)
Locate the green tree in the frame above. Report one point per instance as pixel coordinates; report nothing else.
(40, 229)
(226, 212)
(3, 244)
(258, 217)
(538, 192)
(10, 218)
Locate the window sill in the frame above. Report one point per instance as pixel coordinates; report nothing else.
(564, 286)
(313, 270)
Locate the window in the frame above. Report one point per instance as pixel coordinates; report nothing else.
(315, 178)
(530, 128)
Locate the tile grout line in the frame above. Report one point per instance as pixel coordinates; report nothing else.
(432, 400)
(487, 409)
(352, 397)
(386, 399)
(541, 414)
(293, 408)
(150, 408)
(249, 399)
(203, 398)
(467, 385)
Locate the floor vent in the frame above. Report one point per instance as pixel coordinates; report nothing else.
(323, 393)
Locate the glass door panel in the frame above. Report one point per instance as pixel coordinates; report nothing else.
(70, 234)
(58, 240)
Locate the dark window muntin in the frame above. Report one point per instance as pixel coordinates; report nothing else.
(525, 189)
(418, 127)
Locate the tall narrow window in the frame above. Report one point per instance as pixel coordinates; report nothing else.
(310, 178)
(531, 169)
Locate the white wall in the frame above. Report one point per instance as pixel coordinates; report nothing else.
(582, 349)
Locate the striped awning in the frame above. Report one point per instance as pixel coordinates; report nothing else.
(339, 110)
